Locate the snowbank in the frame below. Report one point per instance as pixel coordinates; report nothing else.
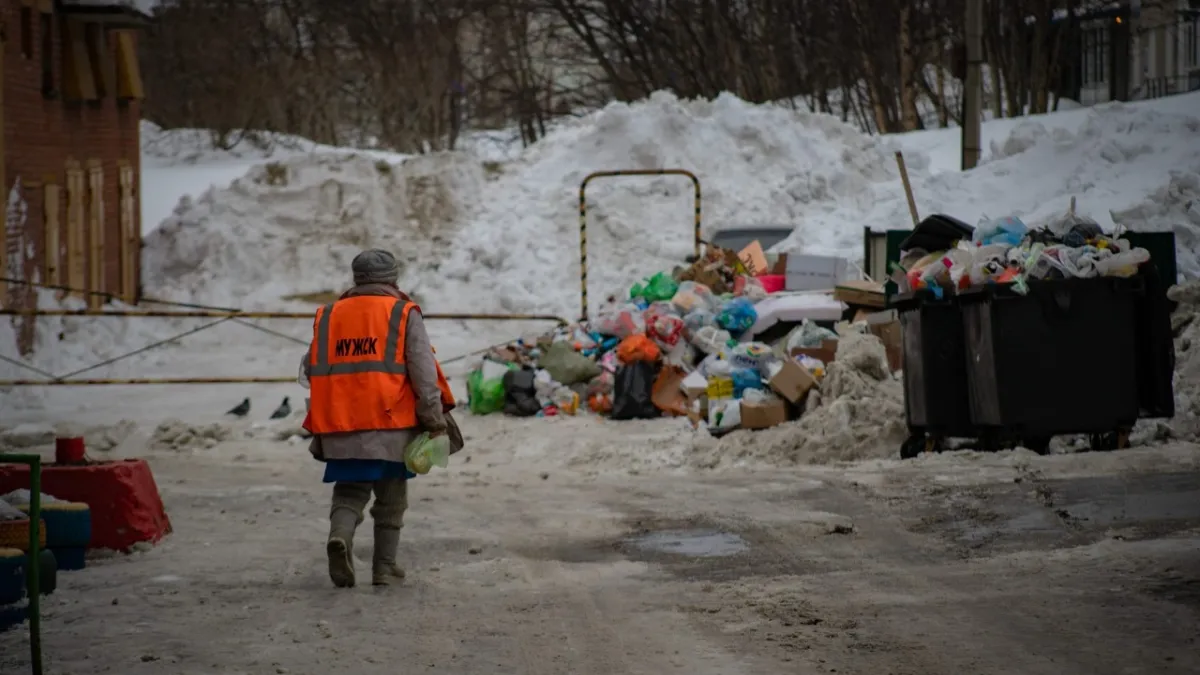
(512, 229)
(290, 228)
(182, 163)
(1186, 322)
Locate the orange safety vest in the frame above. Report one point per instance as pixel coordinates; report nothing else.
(358, 380)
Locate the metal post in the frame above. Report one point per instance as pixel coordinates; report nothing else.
(583, 301)
(973, 87)
(33, 571)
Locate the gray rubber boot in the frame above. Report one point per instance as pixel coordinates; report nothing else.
(384, 570)
(340, 547)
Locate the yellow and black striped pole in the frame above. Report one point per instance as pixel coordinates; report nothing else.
(583, 285)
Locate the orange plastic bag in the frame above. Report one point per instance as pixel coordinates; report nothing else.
(601, 404)
(638, 348)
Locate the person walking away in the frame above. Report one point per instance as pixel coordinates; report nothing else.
(375, 386)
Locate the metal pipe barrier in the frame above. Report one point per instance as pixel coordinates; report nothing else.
(221, 315)
(33, 566)
(583, 301)
(206, 314)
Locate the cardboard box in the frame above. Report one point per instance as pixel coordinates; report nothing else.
(814, 272)
(861, 293)
(667, 393)
(825, 353)
(753, 259)
(763, 415)
(694, 385)
(792, 382)
(892, 336)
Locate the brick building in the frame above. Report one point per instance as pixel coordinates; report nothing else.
(71, 93)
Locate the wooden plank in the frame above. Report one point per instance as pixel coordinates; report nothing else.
(76, 227)
(100, 59)
(860, 294)
(96, 244)
(129, 238)
(51, 221)
(129, 73)
(79, 83)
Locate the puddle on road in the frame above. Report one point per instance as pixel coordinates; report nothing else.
(692, 543)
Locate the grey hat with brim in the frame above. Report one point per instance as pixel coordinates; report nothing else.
(375, 266)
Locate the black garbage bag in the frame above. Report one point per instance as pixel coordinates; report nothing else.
(520, 395)
(633, 390)
(937, 233)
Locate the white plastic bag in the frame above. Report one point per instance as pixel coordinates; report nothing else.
(710, 339)
(1122, 264)
(693, 296)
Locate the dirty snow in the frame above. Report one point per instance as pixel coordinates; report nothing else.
(1186, 322)
(857, 414)
(291, 228)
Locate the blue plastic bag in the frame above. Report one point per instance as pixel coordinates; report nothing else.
(1009, 230)
(737, 316)
(745, 378)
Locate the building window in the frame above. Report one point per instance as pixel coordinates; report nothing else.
(1191, 43)
(27, 32)
(1095, 51)
(49, 88)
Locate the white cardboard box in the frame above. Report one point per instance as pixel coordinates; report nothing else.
(814, 272)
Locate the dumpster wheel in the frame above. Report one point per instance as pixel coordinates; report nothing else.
(913, 445)
(918, 443)
(1108, 441)
(1038, 444)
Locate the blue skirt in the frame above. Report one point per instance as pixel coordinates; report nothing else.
(364, 470)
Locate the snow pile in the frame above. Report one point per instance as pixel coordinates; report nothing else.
(857, 414)
(103, 438)
(177, 435)
(291, 228)
(10, 512)
(1186, 322)
(770, 165)
(1173, 206)
(1128, 165)
(757, 165)
(194, 146)
(25, 436)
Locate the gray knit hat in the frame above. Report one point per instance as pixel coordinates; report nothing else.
(375, 266)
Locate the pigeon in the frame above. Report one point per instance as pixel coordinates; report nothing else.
(242, 409)
(283, 410)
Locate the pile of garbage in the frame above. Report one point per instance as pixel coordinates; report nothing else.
(945, 255)
(735, 340)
